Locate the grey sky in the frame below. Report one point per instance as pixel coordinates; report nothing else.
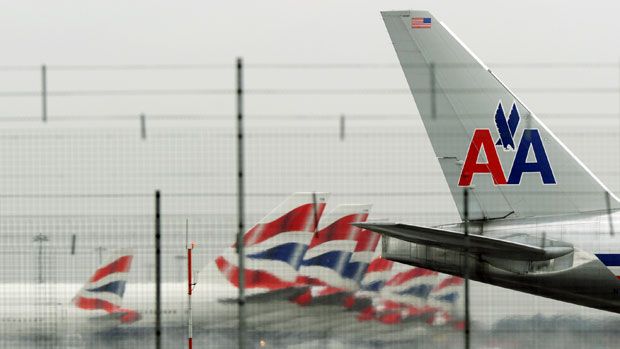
(77, 32)
(198, 32)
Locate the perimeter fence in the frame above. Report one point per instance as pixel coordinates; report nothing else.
(83, 148)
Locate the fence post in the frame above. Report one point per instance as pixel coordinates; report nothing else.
(342, 128)
(157, 270)
(466, 261)
(41, 238)
(240, 206)
(143, 126)
(100, 250)
(44, 93)
(73, 237)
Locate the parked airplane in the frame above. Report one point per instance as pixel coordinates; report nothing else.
(96, 307)
(539, 220)
(298, 275)
(294, 256)
(274, 249)
(300, 269)
(397, 303)
(336, 260)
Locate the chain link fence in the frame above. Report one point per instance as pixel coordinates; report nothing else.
(78, 188)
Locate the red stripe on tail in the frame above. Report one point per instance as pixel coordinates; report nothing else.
(405, 276)
(341, 230)
(451, 281)
(379, 264)
(128, 316)
(301, 218)
(253, 278)
(120, 265)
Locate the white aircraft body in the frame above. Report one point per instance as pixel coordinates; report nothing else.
(539, 221)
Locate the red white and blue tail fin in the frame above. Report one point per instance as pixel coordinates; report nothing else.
(411, 285)
(103, 292)
(401, 296)
(377, 275)
(337, 257)
(339, 252)
(464, 107)
(446, 297)
(378, 272)
(274, 247)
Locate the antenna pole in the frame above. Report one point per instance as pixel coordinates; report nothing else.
(157, 270)
(189, 285)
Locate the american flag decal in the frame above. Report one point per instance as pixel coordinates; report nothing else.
(420, 22)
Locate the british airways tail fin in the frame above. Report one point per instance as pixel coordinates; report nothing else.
(339, 253)
(337, 257)
(274, 247)
(103, 292)
(483, 135)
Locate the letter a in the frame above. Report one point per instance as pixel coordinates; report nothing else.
(482, 140)
(531, 138)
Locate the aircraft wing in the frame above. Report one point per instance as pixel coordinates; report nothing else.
(451, 240)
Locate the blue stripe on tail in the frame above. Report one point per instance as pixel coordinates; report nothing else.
(116, 287)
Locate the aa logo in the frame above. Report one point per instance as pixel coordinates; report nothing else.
(482, 141)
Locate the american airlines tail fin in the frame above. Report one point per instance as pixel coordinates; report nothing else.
(103, 292)
(483, 135)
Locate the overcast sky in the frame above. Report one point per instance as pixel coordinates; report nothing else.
(215, 32)
(94, 32)
(212, 32)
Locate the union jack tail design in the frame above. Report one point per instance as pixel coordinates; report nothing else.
(275, 246)
(377, 274)
(403, 296)
(339, 252)
(105, 289)
(412, 282)
(448, 290)
(445, 296)
(391, 312)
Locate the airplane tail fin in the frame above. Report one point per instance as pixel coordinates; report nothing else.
(339, 252)
(402, 293)
(378, 272)
(274, 247)
(104, 290)
(338, 256)
(445, 297)
(525, 170)
(411, 283)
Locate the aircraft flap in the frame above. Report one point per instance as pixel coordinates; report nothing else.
(478, 244)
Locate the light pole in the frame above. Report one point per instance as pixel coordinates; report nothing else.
(41, 238)
(100, 250)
